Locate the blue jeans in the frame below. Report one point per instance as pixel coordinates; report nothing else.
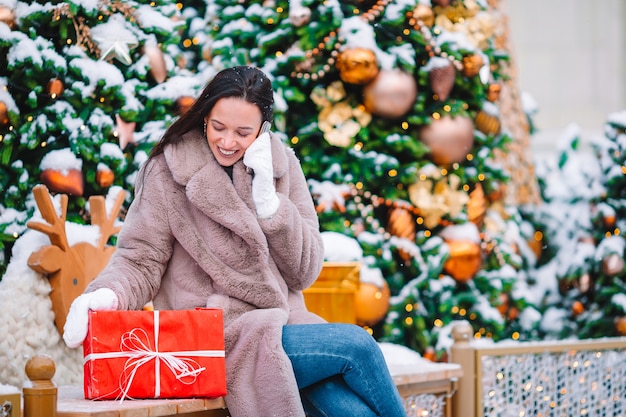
(341, 371)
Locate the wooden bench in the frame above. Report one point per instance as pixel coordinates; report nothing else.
(71, 403)
(412, 384)
(426, 389)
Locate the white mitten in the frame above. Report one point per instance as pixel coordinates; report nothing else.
(258, 157)
(75, 328)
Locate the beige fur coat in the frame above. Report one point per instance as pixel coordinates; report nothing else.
(192, 239)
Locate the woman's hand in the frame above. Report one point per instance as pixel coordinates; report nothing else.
(258, 157)
(75, 328)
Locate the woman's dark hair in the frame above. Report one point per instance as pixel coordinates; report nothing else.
(245, 82)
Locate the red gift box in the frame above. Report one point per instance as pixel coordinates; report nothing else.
(154, 354)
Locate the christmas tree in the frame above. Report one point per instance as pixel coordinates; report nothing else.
(393, 109)
(85, 91)
(582, 219)
(406, 121)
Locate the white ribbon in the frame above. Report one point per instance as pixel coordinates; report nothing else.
(139, 352)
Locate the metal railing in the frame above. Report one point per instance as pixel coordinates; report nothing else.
(552, 378)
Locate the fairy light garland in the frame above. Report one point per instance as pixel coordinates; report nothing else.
(310, 55)
(432, 48)
(369, 16)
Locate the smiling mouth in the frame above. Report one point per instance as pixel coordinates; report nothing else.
(227, 153)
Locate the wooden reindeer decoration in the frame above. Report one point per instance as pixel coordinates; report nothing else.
(71, 268)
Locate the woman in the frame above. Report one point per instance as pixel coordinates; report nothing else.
(223, 218)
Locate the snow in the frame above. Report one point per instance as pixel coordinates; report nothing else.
(111, 150)
(397, 9)
(553, 319)
(150, 17)
(12, 216)
(618, 118)
(5, 97)
(62, 160)
(177, 86)
(611, 245)
(487, 311)
(88, 5)
(529, 318)
(24, 51)
(466, 231)
(620, 301)
(328, 194)
(94, 72)
(341, 248)
(435, 62)
(8, 389)
(401, 355)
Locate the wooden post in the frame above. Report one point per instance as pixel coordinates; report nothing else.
(462, 353)
(40, 393)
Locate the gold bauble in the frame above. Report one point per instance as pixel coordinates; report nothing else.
(620, 325)
(4, 114)
(184, 103)
(430, 354)
(612, 264)
(536, 246)
(207, 54)
(487, 123)
(391, 94)
(67, 182)
(357, 65)
(493, 92)
(472, 65)
(449, 139)
(371, 303)
(464, 261)
(504, 305)
(477, 205)
(424, 14)
(505, 308)
(105, 177)
(609, 220)
(578, 308)
(401, 223)
(55, 87)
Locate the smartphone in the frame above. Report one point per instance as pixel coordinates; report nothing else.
(265, 127)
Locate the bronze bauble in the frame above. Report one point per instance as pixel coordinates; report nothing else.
(4, 114)
(391, 94)
(55, 87)
(449, 138)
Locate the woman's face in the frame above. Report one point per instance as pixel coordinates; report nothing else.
(231, 127)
